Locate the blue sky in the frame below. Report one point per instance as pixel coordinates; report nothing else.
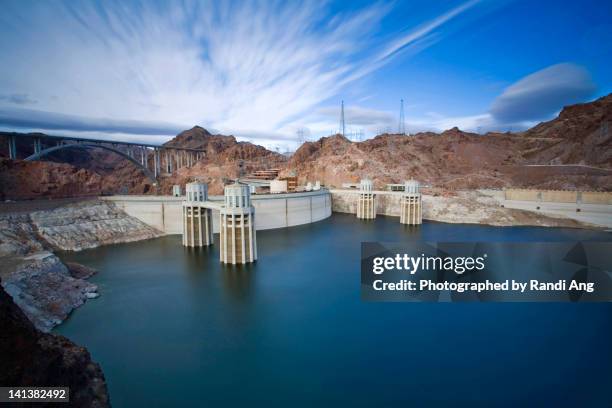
(263, 70)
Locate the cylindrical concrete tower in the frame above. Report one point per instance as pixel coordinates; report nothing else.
(197, 219)
(196, 191)
(411, 211)
(366, 204)
(237, 226)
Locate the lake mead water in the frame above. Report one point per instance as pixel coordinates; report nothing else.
(173, 327)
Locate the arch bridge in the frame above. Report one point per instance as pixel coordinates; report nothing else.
(152, 159)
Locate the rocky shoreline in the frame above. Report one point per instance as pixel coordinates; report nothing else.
(38, 291)
(46, 289)
(33, 358)
(475, 207)
(463, 207)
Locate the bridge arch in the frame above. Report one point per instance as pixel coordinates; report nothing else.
(85, 146)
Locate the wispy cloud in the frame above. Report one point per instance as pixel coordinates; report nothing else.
(413, 41)
(245, 68)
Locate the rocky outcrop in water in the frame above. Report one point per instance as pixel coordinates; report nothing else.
(32, 358)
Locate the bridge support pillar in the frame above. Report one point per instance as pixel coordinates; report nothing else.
(155, 162)
(12, 145)
(37, 145)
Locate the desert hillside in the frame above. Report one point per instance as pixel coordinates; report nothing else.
(572, 151)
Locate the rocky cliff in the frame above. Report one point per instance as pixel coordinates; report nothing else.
(21, 180)
(33, 358)
(581, 134)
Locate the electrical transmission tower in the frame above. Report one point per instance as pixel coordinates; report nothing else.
(300, 135)
(401, 129)
(342, 124)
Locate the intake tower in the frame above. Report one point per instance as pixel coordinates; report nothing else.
(237, 226)
(411, 209)
(366, 204)
(197, 219)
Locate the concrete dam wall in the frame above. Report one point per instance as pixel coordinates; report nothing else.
(387, 202)
(559, 196)
(271, 210)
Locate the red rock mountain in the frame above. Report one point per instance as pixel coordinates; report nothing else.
(571, 151)
(581, 133)
(455, 159)
(221, 161)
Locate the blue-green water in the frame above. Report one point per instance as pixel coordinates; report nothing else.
(173, 327)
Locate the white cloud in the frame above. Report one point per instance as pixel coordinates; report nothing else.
(248, 69)
(543, 93)
(536, 97)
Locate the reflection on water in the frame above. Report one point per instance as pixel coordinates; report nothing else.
(175, 327)
(238, 280)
